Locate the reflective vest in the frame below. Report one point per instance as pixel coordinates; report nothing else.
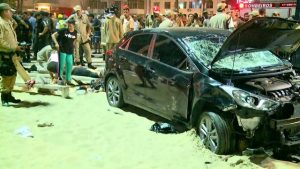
(60, 24)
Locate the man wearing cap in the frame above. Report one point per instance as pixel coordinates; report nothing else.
(113, 29)
(167, 22)
(83, 27)
(128, 22)
(219, 21)
(154, 20)
(8, 47)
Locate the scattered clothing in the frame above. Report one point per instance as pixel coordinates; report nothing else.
(160, 127)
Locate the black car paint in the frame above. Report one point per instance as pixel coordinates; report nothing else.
(195, 89)
(199, 90)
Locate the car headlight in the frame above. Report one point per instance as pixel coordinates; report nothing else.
(253, 101)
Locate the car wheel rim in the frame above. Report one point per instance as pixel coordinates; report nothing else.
(113, 92)
(208, 134)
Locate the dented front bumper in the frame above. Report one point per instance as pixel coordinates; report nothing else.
(289, 130)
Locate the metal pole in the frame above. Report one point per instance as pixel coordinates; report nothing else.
(297, 14)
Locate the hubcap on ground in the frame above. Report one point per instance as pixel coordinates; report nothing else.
(113, 92)
(208, 134)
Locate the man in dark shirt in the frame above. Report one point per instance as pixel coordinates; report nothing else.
(96, 36)
(45, 35)
(24, 34)
(38, 29)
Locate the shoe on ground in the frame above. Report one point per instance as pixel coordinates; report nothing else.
(12, 99)
(91, 66)
(82, 64)
(4, 100)
(61, 82)
(69, 83)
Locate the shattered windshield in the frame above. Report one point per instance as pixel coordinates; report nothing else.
(249, 61)
(205, 47)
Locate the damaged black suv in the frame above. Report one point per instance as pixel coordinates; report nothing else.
(231, 87)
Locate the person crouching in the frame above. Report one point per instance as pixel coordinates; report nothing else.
(64, 41)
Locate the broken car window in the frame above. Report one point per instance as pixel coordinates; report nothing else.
(205, 47)
(248, 61)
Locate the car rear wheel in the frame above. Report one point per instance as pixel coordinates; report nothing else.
(114, 92)
(215, 133)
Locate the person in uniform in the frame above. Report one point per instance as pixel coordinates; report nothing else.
(219, 21)
(8, 47)
(167, 22)
(113, 29)
(83, 27)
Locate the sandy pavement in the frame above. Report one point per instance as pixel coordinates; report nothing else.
(87, 133)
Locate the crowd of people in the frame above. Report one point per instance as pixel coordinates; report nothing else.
(73, 37)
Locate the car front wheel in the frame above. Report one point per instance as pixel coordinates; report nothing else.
(114, 92)
(215, 133)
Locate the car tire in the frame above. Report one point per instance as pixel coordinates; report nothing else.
(114, 93)
(215, 133)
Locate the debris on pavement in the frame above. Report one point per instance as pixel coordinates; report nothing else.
(81, 90)
(250, 151)
(24, 131)
(97, 85)
(160, 127)
(45, 125)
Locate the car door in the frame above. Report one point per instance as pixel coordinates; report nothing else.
(169, 79)
(132, 62)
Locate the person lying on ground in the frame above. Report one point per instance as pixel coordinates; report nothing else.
(52, 67)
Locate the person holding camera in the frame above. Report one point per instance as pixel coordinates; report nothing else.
(8, 48)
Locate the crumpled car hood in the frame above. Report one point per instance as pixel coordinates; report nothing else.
(267, 33)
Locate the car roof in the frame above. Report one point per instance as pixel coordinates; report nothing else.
(181, 32)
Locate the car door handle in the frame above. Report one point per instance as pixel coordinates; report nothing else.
(123, 58)
(172, 81)
(151, 70)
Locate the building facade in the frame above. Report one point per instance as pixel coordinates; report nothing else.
(57, 6)
(186, 6)
(286, 8)
(146, 6)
